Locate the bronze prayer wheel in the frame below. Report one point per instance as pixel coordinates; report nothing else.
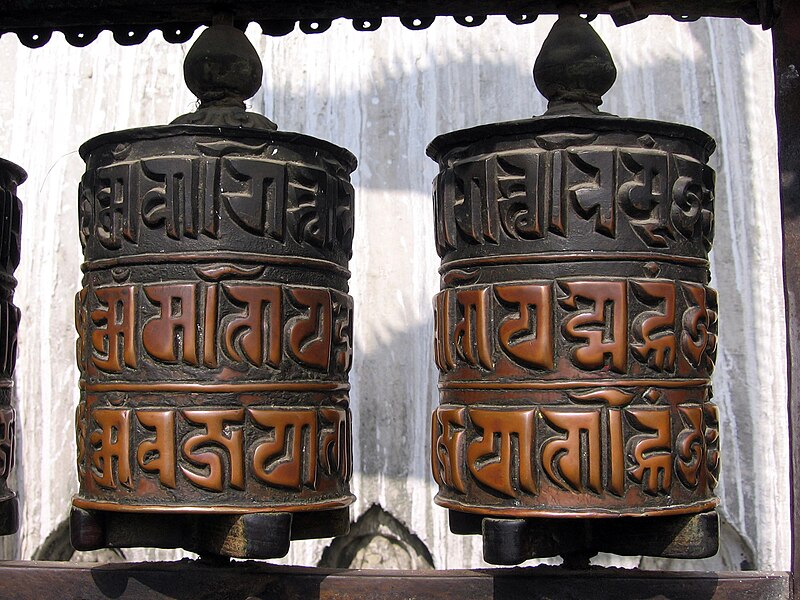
(10, 226)
(215, 327)
(575, 331)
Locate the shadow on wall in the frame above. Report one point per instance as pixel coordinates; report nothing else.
(395, 394)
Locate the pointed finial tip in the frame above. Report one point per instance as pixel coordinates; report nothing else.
(574, 67)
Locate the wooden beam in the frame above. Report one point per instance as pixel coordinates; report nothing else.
(254, 581)
(82, 20)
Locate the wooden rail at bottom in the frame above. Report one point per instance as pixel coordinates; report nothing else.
(195, 580)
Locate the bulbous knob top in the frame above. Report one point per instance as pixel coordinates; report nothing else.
(223, 69)
(222, 66)
(574, 67)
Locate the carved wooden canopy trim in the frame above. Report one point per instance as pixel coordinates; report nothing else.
(81, 21)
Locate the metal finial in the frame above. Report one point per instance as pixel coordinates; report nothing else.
(574, 67)
(222, 69)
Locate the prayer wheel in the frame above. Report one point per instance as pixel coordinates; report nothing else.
(215, 327)
(10, 225)
(575, 331)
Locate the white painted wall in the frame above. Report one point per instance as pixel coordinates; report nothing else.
(384, 95)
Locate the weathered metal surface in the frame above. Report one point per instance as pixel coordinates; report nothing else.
(10, 226)
(215, 327)
(575, 329)
(251, 581)
(787, 104)
(131, 22)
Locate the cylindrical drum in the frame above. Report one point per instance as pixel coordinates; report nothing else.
(575, 332)
(214, 321)
(575, 329)
(10, 225)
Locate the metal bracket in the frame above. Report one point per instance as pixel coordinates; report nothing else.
(252, 535)
(513, 541)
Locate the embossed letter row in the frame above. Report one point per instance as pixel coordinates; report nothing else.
(528, 194)
(200, 324)
(536, 324)
(185, 196)
(562, 451)
(214, 449)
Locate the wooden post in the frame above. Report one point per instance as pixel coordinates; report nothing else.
(786, 35)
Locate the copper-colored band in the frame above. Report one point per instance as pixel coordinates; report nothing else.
(567, 257)
(210, 388)
(594, 513)
(200, 257)
(568, 385)
(217, 509)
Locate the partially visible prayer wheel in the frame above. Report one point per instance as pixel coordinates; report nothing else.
(215, 326)
(10, 225)
(575, 332)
